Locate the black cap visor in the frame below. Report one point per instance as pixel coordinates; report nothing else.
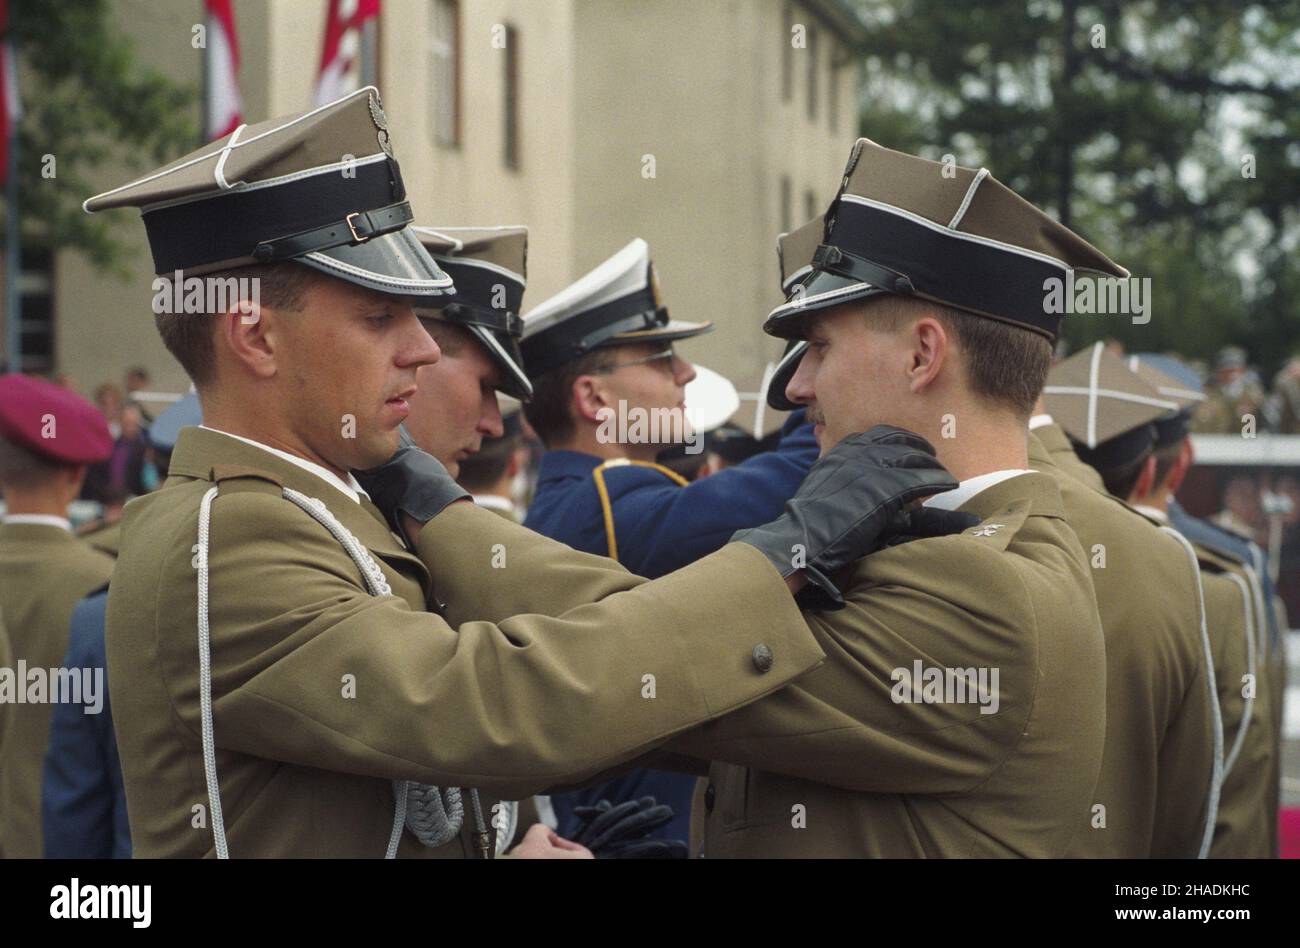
(785, 370)
(817, 291)
(395, 263)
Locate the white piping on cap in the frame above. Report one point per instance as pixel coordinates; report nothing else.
(1093, 371)
(243, 186)
(1113, 394)
(432, 232)
(484, 264)
(372, 275)
(960, 234)
(248, 141)
(805, 301)
(970, 195)
(220, 171)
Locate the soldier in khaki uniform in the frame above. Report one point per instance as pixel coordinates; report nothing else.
(1238, 628)
(455, 408)
(319, 708)
(870, 755)
(1160, 778)
(48, 435)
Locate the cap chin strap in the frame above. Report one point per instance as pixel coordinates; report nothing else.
(356, 228)
(832, 259)
(432, 814)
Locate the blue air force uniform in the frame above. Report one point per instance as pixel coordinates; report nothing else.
(644, 515)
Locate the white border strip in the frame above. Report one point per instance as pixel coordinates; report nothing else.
(364, 90)
(970, 196)
(960, 235)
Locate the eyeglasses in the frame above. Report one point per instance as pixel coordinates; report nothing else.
(667, 355)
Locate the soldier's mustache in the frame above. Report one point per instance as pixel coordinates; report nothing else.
(816, 416)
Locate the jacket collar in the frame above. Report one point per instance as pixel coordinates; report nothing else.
(1052, 438)
(207, 455)
(1033, 487)
(556, 465)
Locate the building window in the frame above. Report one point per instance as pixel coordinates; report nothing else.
(787, 204)
(813, 85)
(36, 328)
(809, 206)
(511, 154)
(445, 46)
(787, 55)
(833, 87)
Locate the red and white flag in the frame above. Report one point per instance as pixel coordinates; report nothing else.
(11, 109)
(224, 107)
(340, 60)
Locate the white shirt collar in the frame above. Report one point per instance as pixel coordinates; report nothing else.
(1040, 421)
(494, 501)
(1155, 513)
(967, 489)
(47, 520)
(350, 487)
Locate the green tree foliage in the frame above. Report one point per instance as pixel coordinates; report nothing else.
(88, 102)
(1136, 137)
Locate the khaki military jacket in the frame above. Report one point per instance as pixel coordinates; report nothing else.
(834, 766)
(1057, 444)
(1158, 768)
(324, 694)
(44, 573)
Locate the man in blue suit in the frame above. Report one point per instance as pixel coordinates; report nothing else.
(609, 391)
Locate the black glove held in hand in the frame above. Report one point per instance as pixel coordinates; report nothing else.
(925, 522)
(411, 482)
(853, 497)
(619, 832)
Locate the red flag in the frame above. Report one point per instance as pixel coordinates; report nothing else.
(10, 107)
(224, 107)
(340, 60)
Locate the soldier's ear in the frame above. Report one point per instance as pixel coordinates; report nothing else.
(589, 398)
(930, 345)
(1146, 482)
(246, 331)
(1178, 471)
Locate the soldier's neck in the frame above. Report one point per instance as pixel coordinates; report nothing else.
(51, 500)
(1159, 500)
(263, 435)
(976, 446)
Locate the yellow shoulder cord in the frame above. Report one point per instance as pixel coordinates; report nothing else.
(599, 475)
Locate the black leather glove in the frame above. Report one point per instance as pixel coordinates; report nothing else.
(853, 498)
(410, 482)
(620, 832)
(925, 522)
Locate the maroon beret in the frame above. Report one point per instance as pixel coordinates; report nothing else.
(52, 421)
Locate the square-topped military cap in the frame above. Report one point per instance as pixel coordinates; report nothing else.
(615, 304)
(1105, 408)
(489, 268)
(906, 225)
(321, 188)
(794, 254)
(1178, 383)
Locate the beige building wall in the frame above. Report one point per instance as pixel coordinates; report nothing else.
(699, 89)
(698, 86)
